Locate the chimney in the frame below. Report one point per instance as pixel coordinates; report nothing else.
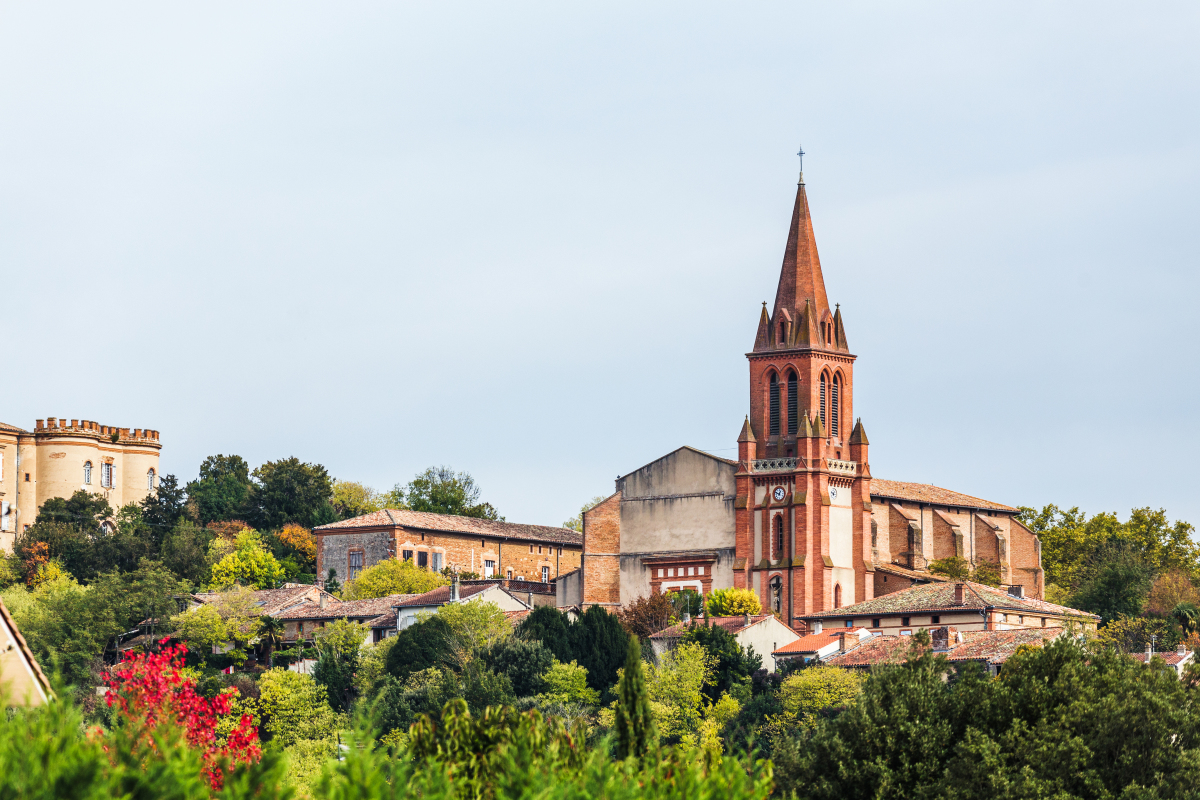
(1182, 649)
(1016, 591)
(746, 620)
(1149, 653)
(686, 618)
(454, 588)
(841, 642)
(321, 600)
(960, 593)
(816, 627)
(941, 639)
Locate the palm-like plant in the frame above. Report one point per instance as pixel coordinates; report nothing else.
(270, 636)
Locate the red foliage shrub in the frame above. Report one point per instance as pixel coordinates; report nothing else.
(150, 689)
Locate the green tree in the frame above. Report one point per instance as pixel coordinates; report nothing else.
(223, 489)
(250, 564)
(185, 552)
(294, 707)
(420, 646)
(524, 663)
(290, 490)
(148, 594)
(352, 499)
(271, 634)
(474, 625)
(83, 510)
(634, 723)
(954, 567)
(817, 690)
(575, 523)
(732, 664)
(598, 644)
(551, 627)
(733, 602)
(675, 687)
(163, 508)
(202, 628)
(1116, 582)
(441, 490)
(986, 572)
(392, 576)
(566, 684)
(1135, 634)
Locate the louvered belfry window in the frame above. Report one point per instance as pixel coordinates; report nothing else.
(774, 406)
(793, 404)
(833, 406)
(822, 399)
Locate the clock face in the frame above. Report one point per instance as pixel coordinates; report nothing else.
(779, 492)
(832, 492)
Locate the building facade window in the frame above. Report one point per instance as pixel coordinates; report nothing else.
(355, 564)
(106, 475)
(150, 480)
(823, 382)
(935, 620)
(875, 623)
(489, 568)
(406, 555)
(87, 473)
(837, 596)
(777, 594)
(545, 574)
(793, 403)
(437, 562)
(774, 405)
(422, 558)
(834, 402)
(778, 536)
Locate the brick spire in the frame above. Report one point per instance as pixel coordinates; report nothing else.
(801, 277)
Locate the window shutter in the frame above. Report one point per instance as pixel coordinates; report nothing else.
(774, 406)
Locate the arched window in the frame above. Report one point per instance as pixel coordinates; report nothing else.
(150, 480)
(837, 596)
(777, 594)
(87, 473)
(833, 404)
(774, 405)
(793, 403)
(778, 536)
(823, 381)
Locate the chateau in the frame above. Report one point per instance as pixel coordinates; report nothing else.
(798, 517)
(58, 459)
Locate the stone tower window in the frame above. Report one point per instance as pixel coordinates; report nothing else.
(823, 382)
(793, 404)
(833, 405)
(87, 473)
(150, 480)
(779, 536)
(774, 405)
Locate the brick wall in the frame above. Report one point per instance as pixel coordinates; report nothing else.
(602, 548)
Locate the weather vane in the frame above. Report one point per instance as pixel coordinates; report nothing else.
(801, 154)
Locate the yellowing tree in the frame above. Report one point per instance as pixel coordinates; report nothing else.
(392, 576)
(733, 602)
(353, 499)
(675, 687)
(806, 693)
(300, 539)
(249, 564)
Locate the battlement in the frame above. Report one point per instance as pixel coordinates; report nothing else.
(94, 430)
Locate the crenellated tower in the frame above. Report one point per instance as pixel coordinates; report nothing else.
(803, 505)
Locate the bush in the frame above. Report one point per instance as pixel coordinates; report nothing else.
(391, 576)
(525, 664)
(733, 602)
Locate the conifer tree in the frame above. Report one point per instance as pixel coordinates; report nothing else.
(634, 724)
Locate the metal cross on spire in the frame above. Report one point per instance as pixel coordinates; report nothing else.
(801, 154)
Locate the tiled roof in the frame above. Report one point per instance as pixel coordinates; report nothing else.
(272, 601)
(11, 428)
(731, 624)
(876, 650)
(387, 620)
(449, 523)
(357, 609)
(516, 617)
(939, 596)
(905, 572)
(995, 647)
(928, 493)
(1172, 657)
(441, 595)
(815, 641)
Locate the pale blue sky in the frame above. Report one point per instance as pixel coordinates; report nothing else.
(531, 240)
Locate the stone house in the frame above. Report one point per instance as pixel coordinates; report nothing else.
(762, 633)
(988, 648)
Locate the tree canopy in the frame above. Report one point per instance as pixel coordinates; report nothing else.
(441, 490)
(392, 576)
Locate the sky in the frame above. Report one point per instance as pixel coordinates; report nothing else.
(531, 241)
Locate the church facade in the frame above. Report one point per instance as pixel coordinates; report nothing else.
(797, 517)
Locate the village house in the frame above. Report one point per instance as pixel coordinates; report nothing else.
(966, 605)
(488, 548)
(988, 648)
(763, 633)
(410, 610)
(1177, 659)
(819, 646)
(302, 621)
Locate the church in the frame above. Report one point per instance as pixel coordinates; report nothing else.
(797, 517)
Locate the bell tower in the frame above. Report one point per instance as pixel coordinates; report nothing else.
(803, 504)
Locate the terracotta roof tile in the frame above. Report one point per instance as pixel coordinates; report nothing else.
(421, 520)
(272, 601)
(815, 641)
(905, 572)
(928, 493)
(940, 597)
(731, 624)
(876, 650)
(441, 595)
(1172, 657)
(356, 609)
(995, 647)
(11, 428)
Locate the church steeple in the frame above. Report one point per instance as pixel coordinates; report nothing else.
(801, 278)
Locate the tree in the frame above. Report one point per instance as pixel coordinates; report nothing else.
(201, 628)
(817, 690)
(222, 490)
(986, 572)
(148, 594)
(164, 507)
(733, 602)
(732, 664)
(294, 707)
(185, 552)
(1135, 634)
(675, 687)
(352, 499)
(290, 490)
(83, 510)
(441, 490)
(474, 626)
(551, 627)
(1187, 616)
(955, 568)
(338, 644)
(634, 723)
(567, 684)
(250, 564)
(598, 644)
(230, 618)
(271, 632)
(575, 523)
(420, 646)
(392, 576)
(1115, 582)
(70, 545)
(1170, 589)
(647, 615)
(525, 664)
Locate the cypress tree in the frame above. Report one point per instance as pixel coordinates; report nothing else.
(635, 726)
